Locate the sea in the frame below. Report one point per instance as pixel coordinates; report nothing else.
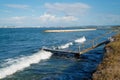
(21, 56)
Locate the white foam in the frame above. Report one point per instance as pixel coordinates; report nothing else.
(81, 40)
(23, 62)
(65, 45)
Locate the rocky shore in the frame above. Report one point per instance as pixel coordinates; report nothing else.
(109, 69)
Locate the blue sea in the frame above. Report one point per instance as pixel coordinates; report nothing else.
(21, 57)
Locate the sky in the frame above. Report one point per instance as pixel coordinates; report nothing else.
(59, 13)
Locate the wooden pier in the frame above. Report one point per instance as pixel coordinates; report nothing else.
(78, 53)
(75, 54)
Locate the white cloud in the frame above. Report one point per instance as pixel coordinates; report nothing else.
(48, 17)
(52, 20)
(16, 20)
(43, 20)
(64, 14)
(48, 20)
(67, 8)
(17, 6)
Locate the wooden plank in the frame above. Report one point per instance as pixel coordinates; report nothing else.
(60, 51)
(64, 53)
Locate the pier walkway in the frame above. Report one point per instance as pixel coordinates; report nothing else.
(78, 53)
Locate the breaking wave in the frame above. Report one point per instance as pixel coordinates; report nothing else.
(80, 40)
(65, 45)
(18, 64)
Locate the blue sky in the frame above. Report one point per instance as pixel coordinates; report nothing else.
(56, 13)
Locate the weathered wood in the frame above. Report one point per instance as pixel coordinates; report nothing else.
(88, 49)
(60, 51)
(63, 53)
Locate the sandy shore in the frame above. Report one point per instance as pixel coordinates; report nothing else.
(70, 30)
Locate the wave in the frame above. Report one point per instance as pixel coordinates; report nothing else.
(65, 45)
(80, 40)
(21, 63)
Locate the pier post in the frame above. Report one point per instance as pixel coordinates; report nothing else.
(83, 46)
(93, 43)
(78, 48)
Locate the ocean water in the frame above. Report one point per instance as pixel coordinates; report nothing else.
(22, 59)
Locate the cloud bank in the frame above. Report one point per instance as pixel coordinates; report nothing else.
(55, 14)
(73, 9)
(19, 6)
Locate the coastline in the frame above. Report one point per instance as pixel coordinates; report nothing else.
(71, 30)
(109, 67)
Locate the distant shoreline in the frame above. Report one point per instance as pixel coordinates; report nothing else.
(70, 30)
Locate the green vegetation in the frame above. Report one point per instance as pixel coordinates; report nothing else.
(109, 69)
